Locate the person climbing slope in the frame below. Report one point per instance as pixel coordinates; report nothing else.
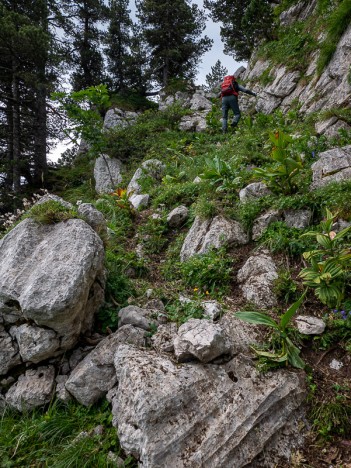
(229, 93)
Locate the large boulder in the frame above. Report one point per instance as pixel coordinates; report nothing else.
(150, 168)
(253, 191)
(200, 339)
(94, 218)
(52, 277)
(209, 415)
(95, 375)
(33, 389)
(333, 165)
(256, 279)
(9, 352)
(119, 118)
(216, 232)
(107, 174)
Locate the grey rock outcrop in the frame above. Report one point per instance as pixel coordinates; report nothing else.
(52, 275)
(107, 174)
(51, 197)
(308, 325)
(133, 315)
(139, 201)
(119, 118)
(212, 309)
(263, 222)
(299, 219)
(163, 339)
(151, 168)
(333, 165)
(200, 339)
(35, 344)
(211, 416)
(254, 190)
(95, 375)
(33, 389)
(256, 279)
(9, 353)
(216, 232)
(178, 216)
(93, 217)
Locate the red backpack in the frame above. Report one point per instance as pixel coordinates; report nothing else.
(229, 87)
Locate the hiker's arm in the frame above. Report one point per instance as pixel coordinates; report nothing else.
(247, 91)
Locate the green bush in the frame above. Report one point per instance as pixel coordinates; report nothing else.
(51, 212)
(182, 312)
(210, 272)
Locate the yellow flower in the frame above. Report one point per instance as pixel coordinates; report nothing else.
(196, 289)
(207, 293)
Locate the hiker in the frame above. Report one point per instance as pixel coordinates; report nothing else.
(229, 93)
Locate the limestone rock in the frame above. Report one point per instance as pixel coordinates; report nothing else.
(334, 130)
(33, 389)
(52, 275)
(256, 279)
(333, 165)
(61, 392)
(322, 126)
(163, 339)
(210, 415)
(119, 118)
(137, 317)
(199, 102)
(195, 122)
(254, 190)
(284, 83)
(9, 354)
(35, 344)
(263, 221)
(208, 233)
(241, 335)
(308, 325)
(255, 69)
(152, 168)
(51, 197)
(95, 375)
(212, 309)
(299, 219)
(200, 339)
(107, 174)
(178, 216)
(93, 217)
(139, 201)
(267, 103)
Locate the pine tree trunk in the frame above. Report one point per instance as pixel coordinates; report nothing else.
(40, 171)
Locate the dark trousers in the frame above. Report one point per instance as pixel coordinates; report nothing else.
(230, 102)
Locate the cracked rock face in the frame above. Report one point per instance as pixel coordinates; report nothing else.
(51, 280)
(256, 279)
(333, 165)
(95, 375)
(200, 339)
(216, 232)
(107, 174)
(33, 389)
(200, 415)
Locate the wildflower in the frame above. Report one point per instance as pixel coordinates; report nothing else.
(332, 235)
(196, 289)
(207, 293)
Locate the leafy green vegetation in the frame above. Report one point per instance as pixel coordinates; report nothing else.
(61, 436)
(51, 212)
(286, 350)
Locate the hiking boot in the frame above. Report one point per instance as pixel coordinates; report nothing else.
(234, 124)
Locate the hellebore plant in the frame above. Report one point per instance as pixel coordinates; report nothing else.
(288, 353)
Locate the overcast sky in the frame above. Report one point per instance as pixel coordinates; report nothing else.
(210, 58)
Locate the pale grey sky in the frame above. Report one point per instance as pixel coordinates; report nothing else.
(210, 58)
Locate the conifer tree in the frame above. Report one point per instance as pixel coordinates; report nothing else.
(214, 78)
(118, 41)
(245, 24)
(87, 18)
(172, 30)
